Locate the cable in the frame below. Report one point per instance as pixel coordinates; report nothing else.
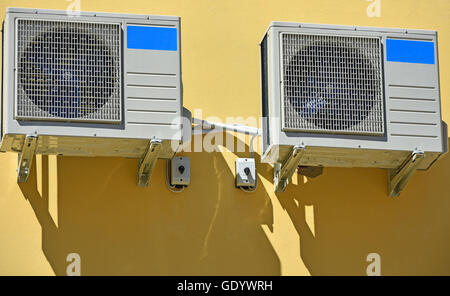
(251, 146)
(252, 188)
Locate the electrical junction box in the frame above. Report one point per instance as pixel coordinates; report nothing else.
(180, 171)
(245, 172)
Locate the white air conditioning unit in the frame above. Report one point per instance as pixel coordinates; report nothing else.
(345, 96)
(95, 84)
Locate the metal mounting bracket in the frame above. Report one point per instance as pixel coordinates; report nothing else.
(398, 178)
(26, 158)
(282, 173)
(148, 162)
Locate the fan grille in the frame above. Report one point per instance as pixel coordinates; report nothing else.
(68, 71)
(332, 84)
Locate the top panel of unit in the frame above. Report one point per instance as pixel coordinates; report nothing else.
(350, 28)
(92, 14)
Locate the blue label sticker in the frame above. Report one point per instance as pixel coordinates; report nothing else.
(156, 38)
(410, 51)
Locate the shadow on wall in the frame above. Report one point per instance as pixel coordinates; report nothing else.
(117, 228)
(213, 228)
(354, 216)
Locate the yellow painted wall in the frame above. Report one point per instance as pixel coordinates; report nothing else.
(321, 226)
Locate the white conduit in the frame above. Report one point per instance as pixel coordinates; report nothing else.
(206, 126)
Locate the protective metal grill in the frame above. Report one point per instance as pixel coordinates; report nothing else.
(332, 84)
(68, 71)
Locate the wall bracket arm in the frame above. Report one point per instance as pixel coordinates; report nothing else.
(26, 158)
(398, 178)
(148, 162)
(282, 173)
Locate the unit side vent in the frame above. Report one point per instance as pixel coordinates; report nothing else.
(68, 71)
(332, 84)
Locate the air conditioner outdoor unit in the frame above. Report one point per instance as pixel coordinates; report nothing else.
(345, 96)
(95, 84)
